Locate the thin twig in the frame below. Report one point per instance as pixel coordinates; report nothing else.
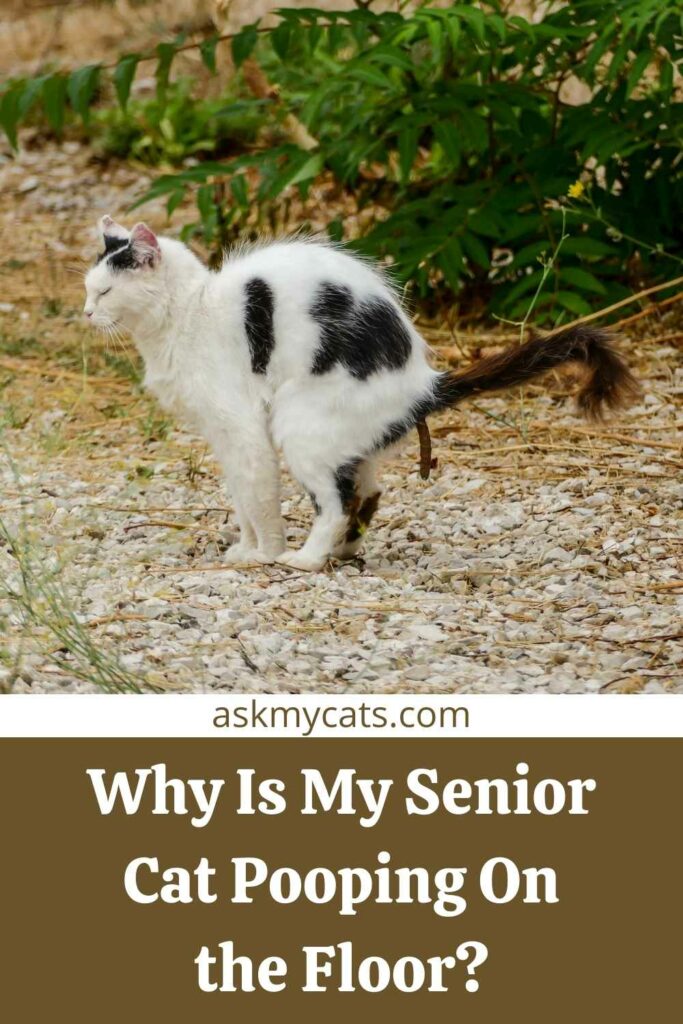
(654, 307)
(616, 305)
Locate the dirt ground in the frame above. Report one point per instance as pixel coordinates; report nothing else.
(543, 555)
(33, 31)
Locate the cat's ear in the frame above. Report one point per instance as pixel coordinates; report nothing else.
(110, 231)
(145, 246)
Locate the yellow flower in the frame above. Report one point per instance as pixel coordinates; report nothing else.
(576, 190)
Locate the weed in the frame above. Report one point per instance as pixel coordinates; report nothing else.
(194, 463)
(177, 126)
(18, 346)
(155, 427)
(52, 307)
(13, 417)
(123, 366)
(39, 597)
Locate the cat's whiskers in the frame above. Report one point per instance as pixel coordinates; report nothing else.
(107, 329)
(114, 333)
(104, 329)
(119, 335)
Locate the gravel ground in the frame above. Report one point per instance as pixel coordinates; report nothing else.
(543, 555)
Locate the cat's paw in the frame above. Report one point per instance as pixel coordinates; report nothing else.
(241, 554)
(299, 560)
(348, 549)
(266, 557)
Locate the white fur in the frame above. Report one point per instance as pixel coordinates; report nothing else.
(188, 323)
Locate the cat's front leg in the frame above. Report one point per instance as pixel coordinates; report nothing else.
(245, 548)
(257, 509)
(252, 471)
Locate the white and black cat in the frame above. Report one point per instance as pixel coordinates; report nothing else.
(299, 346)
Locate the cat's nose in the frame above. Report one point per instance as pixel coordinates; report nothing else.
(88, 312)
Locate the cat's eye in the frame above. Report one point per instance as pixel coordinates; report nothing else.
(105, 292)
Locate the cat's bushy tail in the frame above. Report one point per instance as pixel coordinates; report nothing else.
(608, 382)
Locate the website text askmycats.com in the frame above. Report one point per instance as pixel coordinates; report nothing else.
(309, 719)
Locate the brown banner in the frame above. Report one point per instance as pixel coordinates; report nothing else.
(74, 945)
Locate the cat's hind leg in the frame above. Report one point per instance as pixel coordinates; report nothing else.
(361, 510)
(334, 494)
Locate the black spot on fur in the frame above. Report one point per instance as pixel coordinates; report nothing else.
(258, 322)
(345, 479)
(111, 244)
(359, 522)
(118, 254)
(123, 259)
(365, 336)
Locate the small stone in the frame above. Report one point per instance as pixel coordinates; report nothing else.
(29, 184)
(424, 631)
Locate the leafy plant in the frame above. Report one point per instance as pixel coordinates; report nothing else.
(454, 128)
(177, 126)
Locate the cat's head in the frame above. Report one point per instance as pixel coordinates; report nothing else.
(125, 287)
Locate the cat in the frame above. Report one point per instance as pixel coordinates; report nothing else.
(300, 346)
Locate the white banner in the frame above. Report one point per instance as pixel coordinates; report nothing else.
(338, 717)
